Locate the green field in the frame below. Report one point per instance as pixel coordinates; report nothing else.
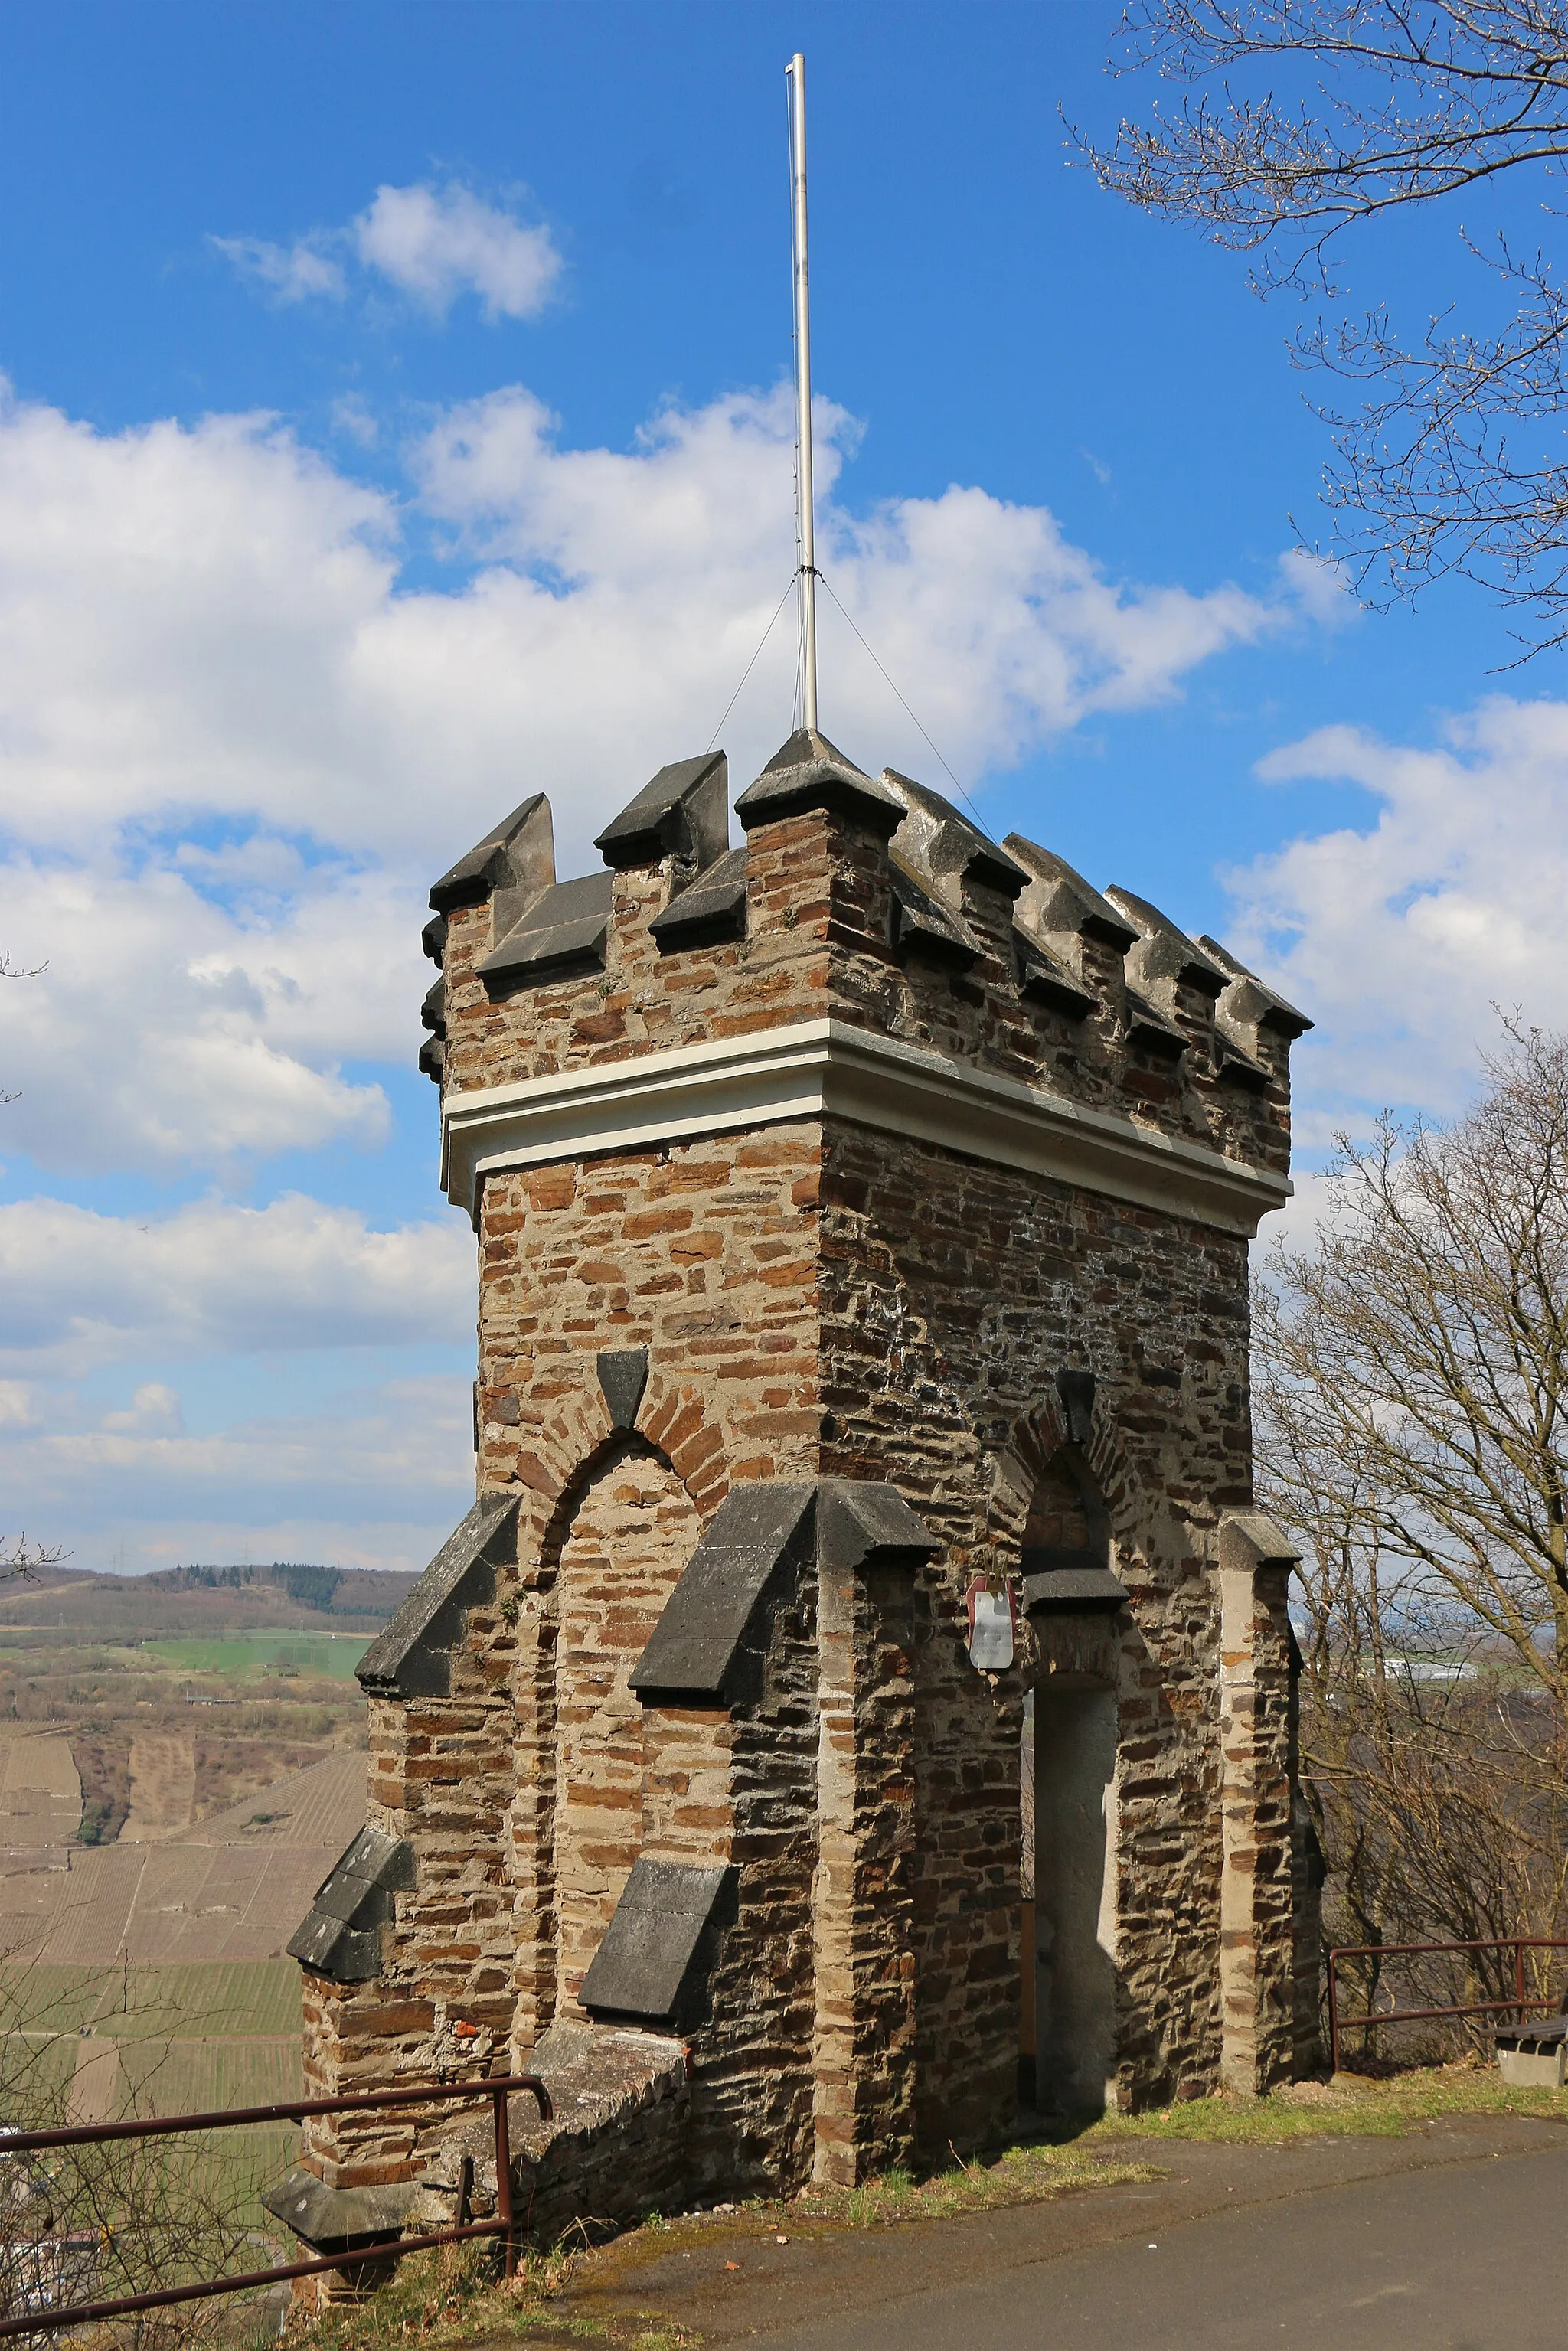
(320, 1655)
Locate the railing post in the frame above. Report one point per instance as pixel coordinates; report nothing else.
(1518, 1980)
(504, 2182)
(1333, 2015)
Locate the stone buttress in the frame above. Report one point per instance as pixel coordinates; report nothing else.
(863, 1216)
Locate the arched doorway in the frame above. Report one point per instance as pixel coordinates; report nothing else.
(1068, 2000)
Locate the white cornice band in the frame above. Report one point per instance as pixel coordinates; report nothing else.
(826, 1069)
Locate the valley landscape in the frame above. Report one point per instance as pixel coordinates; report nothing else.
(181, 1760)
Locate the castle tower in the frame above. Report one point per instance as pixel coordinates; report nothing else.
(863, 1471)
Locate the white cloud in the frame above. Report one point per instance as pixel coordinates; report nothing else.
(379, 1478)
(434, 244)
(293, 273)
(1323, 586)
(438, 243)
(1398, 938)
(165, 1029)
(234, 748)
(83, 1290)
(18, 1405)
(154, 1411)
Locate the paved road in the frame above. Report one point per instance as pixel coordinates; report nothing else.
(1452, 2241)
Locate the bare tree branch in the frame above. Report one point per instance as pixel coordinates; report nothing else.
(1452, 463)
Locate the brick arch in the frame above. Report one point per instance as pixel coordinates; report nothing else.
(555, 1456)
(556, 1463)
(1037, 1439)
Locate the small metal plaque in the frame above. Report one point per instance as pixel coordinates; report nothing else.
(992, 1626)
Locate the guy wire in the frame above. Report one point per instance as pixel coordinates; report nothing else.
(750, 666)
(909, 714)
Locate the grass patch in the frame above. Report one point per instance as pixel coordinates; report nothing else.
(1352, 2107)
(236, 1655)
(197, 1999)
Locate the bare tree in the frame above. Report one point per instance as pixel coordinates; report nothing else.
(1301, 120)
(21, 1557)
(1412, 1421)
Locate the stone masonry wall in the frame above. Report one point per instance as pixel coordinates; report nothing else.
(951, 1294)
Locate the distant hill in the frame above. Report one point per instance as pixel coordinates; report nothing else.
(80, 1603)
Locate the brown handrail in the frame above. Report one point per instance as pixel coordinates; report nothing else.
(1519, 1999)
(496, 2089)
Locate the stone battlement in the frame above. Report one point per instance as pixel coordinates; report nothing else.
(858, 911)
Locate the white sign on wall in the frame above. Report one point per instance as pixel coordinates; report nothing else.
(993, 1627)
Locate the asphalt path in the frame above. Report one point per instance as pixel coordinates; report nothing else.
(1453, 2239)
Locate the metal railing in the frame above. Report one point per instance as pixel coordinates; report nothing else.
(497, 2090)
(1518, 2000)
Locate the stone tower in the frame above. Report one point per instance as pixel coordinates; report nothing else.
(864, 1472)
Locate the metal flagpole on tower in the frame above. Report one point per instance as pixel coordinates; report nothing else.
(796, 69)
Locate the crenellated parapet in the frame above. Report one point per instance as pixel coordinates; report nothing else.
(857, 910)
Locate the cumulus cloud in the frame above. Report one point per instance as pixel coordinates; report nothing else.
(154, 1410)
(1323, 586)
(433, 244)
(1399, 935)
(84, 1290)
(166, 1027)
(438, 243)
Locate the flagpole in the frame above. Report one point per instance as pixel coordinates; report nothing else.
(804, 516)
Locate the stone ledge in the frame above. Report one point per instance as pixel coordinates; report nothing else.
(338, 2219)
(708, 1645)
(827, 1069)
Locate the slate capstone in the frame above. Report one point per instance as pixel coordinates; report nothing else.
(413, 1656)
(1166, 952)
(1059, 899)
(339, 2220)
(1252, 1000)
(941, 839)
(660, 1943)
(519, 854)
(707, 910)
(810, 772)
(567, 924)
(1147, 1026)
(1045, 978)
(622, 1376)
(857, 1517)
(711, 1634)
(683, 813)
(698, 1646)
(339, 1936)
(1081, 1589)
(921, 921)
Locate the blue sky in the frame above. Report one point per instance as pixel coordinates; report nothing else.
(396, 424)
